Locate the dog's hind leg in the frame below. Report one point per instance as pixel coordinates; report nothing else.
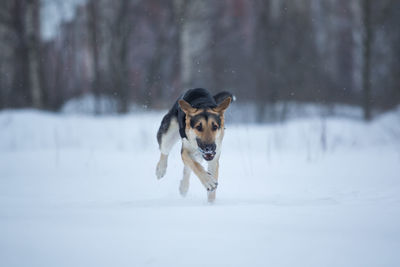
(167, 136)
(184, 185)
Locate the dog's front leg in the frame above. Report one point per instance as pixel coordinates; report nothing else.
(162, 166)
(205, 178)
(184, 185)
(213, 167)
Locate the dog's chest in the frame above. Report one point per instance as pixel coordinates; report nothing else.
(197, 156)
(194, 152)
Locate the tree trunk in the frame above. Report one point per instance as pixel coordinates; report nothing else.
(366, 74)
(94, 46)
(119, 57)
(179, 13)
(20, 96)
(195, 41)
(33, 38)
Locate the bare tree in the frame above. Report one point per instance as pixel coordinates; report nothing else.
(93, 21)
(367, 42)
(34, 43)
(161, 27)
(195, 41)
(23, 21)
(120, 29)
(146, 52)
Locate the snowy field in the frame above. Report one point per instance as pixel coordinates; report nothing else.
(81, 191)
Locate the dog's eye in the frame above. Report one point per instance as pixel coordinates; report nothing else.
(199, 128)
(214, 127)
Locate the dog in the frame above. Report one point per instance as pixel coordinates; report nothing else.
(197, 118)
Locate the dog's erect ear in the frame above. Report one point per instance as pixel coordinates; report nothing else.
(223, 106)
(186, 107)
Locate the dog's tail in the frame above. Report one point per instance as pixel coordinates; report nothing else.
(222, 95)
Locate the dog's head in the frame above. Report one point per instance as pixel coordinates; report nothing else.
(205, 127)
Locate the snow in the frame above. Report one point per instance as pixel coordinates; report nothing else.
(87, 104)
(80, 190)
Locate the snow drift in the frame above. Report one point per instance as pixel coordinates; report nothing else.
(81, 191)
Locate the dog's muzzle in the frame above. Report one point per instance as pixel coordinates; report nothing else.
(207, 150)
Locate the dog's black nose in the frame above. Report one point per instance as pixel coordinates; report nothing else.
(206, 147)
(209, 148)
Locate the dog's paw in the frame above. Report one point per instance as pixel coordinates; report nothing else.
(211, 196)
(161, 169)
(184, 187)
(210, 183)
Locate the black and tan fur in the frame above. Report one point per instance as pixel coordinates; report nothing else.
(197, 118)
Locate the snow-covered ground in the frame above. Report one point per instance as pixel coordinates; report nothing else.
(81, 191)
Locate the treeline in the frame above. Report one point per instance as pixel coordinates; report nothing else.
(145, 52)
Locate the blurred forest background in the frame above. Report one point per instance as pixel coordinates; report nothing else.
(144, 53)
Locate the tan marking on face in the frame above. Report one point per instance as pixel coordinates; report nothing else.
(206, 130)
(201, 110)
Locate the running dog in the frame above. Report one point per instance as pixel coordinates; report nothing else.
(197, 118)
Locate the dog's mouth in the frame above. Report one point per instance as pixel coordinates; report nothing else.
(208, 155)
(207, 150)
